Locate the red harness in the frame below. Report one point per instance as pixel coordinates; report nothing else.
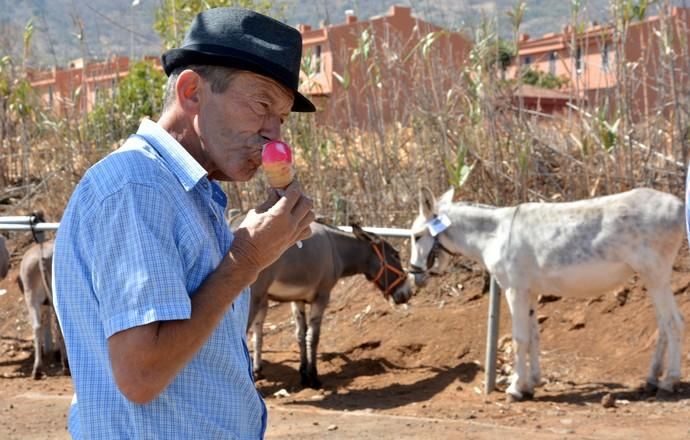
(384, 265)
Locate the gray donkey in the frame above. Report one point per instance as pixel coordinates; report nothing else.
(34, 280)
(307, 275)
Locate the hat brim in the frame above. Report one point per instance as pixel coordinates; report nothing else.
(175, 58)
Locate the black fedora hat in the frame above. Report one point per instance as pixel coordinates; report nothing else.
(243, 39)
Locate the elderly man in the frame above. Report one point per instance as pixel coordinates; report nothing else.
(151, 285)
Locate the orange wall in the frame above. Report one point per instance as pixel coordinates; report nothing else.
(394, 36)
(76, 88)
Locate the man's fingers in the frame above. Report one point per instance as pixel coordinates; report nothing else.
(294, 185)
(287, 202)
(305, 221)
(303, 207)
(305, 233)
(272, 199)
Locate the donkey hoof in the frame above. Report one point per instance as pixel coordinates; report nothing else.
(36, 375)
(650, 388)
(667, 387)
(315, 383)
(512, 398)
(663, 394)
(304, 380)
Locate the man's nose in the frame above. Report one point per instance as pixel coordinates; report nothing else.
(271, 127)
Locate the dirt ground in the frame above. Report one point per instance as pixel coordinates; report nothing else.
(417, 371)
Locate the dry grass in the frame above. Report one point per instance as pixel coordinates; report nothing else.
(468, 133)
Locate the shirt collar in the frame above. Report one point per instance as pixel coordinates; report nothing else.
(187, 170)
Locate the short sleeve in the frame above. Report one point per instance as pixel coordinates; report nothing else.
(137, 271)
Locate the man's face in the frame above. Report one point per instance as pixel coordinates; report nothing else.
(234, 125)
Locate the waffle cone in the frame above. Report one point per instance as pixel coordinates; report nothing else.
(279, 174)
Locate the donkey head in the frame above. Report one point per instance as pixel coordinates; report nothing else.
(426, 253)
(385, 269)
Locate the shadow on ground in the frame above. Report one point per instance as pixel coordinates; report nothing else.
(592, 393)
(396, 394)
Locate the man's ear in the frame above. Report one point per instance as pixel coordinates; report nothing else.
(188, 88)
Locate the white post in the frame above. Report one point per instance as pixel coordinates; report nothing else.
(492, 336)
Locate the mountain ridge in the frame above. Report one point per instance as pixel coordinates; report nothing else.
(69, 29)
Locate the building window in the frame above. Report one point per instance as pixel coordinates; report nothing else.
(552, 63)
(50, 96)
(312, 59)
(605, 59)
(317, 56)
(527, 60)
(578, 60)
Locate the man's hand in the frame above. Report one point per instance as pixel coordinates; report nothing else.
(277, 224)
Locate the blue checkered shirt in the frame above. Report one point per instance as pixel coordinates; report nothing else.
(141, 232)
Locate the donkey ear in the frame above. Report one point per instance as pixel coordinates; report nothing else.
(447, 197)
(361, 234)
(427, 202)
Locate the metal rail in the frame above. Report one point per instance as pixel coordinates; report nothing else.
(28, 223)
(25, 223)
(385, 232)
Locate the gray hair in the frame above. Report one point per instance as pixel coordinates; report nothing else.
(218, 76)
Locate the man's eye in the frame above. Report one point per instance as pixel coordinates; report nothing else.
(259, 107)
(265, 106)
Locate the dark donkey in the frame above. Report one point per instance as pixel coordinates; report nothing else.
(306, 276)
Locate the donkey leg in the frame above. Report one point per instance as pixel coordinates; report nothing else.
(55, 334)
(300, 332)
(259, 316)
(670, 323)
(35, 318)
(63, 353)
(657, 363)
(535, 369)
(47, 326)
(518, 303)
(313, 333)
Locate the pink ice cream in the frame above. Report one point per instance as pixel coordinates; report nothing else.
(276, 159)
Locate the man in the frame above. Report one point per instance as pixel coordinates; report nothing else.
(151, 286)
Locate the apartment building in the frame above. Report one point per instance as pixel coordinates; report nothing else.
(653, 52)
